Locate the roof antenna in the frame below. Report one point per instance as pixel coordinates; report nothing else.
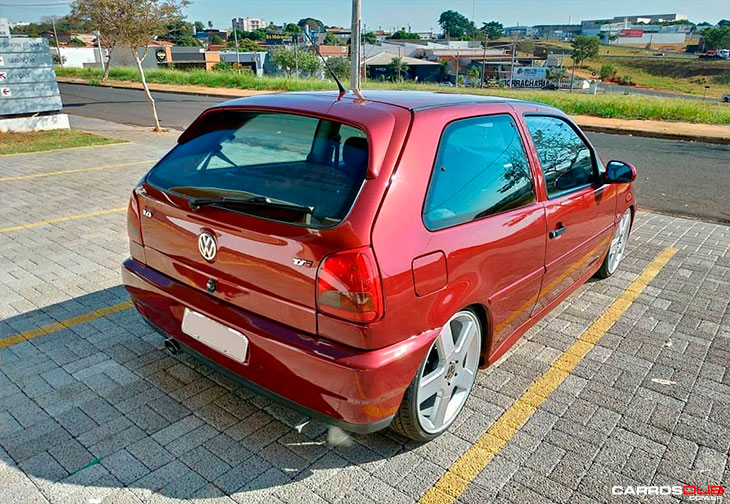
(343, 90)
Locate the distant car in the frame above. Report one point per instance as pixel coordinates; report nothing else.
(446, 84)
(726, 98)
(362, 258)
(551, 86)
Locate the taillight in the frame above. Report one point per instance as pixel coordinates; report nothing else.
(134, 224)
(348, 286)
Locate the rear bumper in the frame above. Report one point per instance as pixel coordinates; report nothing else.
(357, 390)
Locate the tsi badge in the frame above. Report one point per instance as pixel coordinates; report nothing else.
(207, 246)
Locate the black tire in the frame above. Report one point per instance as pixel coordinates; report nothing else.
(406, 421)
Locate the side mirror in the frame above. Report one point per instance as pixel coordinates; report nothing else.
(618, 172)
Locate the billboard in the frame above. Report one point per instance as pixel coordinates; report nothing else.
(529, 73)
(631, 33)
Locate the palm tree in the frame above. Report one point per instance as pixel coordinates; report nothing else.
(474, 73)
(398, 67)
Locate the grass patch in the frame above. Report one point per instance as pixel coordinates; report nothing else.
(38, 141)
(605, 105)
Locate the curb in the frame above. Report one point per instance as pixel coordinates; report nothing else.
(232, 93)
(168, 88)
(617, 130)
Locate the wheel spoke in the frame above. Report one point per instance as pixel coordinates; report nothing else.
(463, 379)
(445, 343)
(442, 404)
(468, 331)
(431, 384)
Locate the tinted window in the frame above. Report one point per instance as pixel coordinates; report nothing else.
(481, 169)
(304, 161)
(565, 159)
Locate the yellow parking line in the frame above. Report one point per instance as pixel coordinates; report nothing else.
(462, 472)
(57, 326)
(75, 170)
(61, 219)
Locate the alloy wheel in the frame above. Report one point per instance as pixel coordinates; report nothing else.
(618, 244)
(447, 375)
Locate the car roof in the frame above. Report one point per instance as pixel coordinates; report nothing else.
(410, 100)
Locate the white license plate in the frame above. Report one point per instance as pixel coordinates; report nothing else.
(215, 335)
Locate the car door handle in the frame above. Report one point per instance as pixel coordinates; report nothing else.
(557, 231)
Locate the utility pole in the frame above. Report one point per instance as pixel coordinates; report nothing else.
(238, 57)
(355, 47)
(101, 51)
(296, 59)
(512, 66)
(572, 77)
(55, 36)
(456, 64)
(484, 63)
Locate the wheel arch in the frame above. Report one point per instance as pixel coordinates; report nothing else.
(482, 314)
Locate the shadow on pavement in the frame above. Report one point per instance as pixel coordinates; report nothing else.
(101, 406)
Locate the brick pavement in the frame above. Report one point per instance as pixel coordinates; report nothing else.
(96, 412)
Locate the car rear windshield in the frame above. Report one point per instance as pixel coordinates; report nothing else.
(298, 169)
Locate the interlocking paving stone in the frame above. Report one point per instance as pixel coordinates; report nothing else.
(169, 428)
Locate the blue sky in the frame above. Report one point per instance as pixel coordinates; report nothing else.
(421, 15)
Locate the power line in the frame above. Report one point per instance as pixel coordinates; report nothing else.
(61, 3)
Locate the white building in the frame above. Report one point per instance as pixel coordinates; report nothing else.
(81, 57)
(249, 24)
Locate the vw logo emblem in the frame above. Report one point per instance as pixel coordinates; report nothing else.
(207, 246)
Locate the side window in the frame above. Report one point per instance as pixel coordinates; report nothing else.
(481, 169)
(566, 161)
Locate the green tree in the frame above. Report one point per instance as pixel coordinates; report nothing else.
(403, 35)
(369, 38)
(289, 59)
(717, 38)
(527, 46)
(340, 65)
(455, 25)
(314, 24)
(585, 48)
(493, 30)
(398, 67)
(474, 73)
(330, 39)
(292, 29)
(199, 26)
(134, 23)
(215, 39)
(248, 45)
(101, 15)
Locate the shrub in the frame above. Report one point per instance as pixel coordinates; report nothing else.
(608, 72)
(626, 80)
(723, 78)
(223, 66)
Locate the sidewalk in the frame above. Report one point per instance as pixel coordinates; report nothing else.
(654, 129)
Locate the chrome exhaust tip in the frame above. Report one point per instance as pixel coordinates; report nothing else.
(172, 346)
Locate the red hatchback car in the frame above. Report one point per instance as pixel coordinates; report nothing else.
(361, 258)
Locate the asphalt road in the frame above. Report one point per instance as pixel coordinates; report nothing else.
(680, 178)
